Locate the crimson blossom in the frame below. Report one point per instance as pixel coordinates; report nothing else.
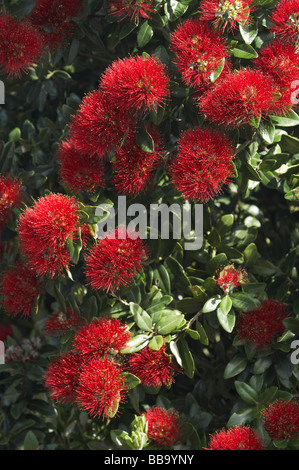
(101, 387)
(133, 167)
(61, 377)
(100, 337)
(99, 126)
(281, 419)
(203, 163)
(21, 45)
(62, 322)
(229, 276)
(132, 9)
(44, 230)
(136, 84)
(153, 368)
(240, 437)
(262, 325)
(78, 171)
(285, 19)
(164, 426)
(224, 13)
(54, 19)
(240, 98)
(20, 288)
(115, 260)
(199, 52)
(10, 197)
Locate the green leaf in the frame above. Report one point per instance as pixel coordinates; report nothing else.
(131, 380)
(211, 304)
(244, 302)
(203, 338)
(161, 278)
(226, 305)
(141, 317)
(171, 321)
(135, 344)
(244, 51)
(186, 357)
(292, 324)
(289, 120)
(226, 321)
(289, 144)
(192, 333)
(246, 392)
(248, 31)
(156, 342)
(144, 140)
(145, 34)
(216, 74)
(30, 441)
(215, 263)
(234, 367)
(174, 9)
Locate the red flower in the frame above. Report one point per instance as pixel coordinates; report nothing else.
(228, 277)
(227, 12)
(132, 9)
(199, 52)
(99, 126)
(101, 337)
(61, 322)
(262, 325)
(61, 377)
(44, 230)
(20, 289)
(79, 172)
(239, 437)
(54, 19)
(153, 368)
(239, 98)
(163, 427)
(133, 167)
(203, 163)
(280, 60)
(10, 197)
(5, 331)
(281, 419)
(21, 45)
(285, 18)
(115, 261)
(101, 387)
(136, 84)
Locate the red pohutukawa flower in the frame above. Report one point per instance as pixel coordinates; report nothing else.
(262, 325)
(230, 277)
(153, 368)
(132, 9)
(164, 427)
(224, 13)
(54, 19)
(115, 260)
(101, 337)
(203, 163)
(10, 196)
(61, 322)
(61, 377)
(133, 167)
(102, 387)
(280, 60)
(99, 126)
(241, 437)
(136, 84)
(44, 230)
(21, 45)
(281, 419)
(20, 289)
(285, 19)
(199, 52)
(78, 171)
(240, 98)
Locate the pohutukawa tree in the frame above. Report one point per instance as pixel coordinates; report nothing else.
(121, 332)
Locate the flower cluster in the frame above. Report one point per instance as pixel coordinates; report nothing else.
(223, 13)
(164, 427)
(115, 260)
(229, 277)
(10, 197)
(91, 375)
(285, 20)
(240, 437)
(26, 351)
(132, 9)
(44, 231)
(60, 322)
(281, 419)
(261, 326)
